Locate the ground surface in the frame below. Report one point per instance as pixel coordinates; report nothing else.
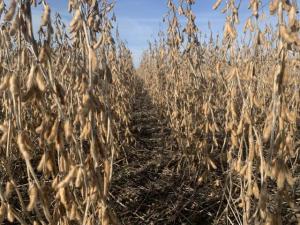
(149, 188)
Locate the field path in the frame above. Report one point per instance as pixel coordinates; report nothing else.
(147, 189)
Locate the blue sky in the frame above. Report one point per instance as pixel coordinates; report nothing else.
(140, 20)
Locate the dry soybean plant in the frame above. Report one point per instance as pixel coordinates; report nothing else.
(233, 106)
(231, 103)
(65, 105)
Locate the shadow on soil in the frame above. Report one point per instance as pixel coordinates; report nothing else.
(147, 187)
